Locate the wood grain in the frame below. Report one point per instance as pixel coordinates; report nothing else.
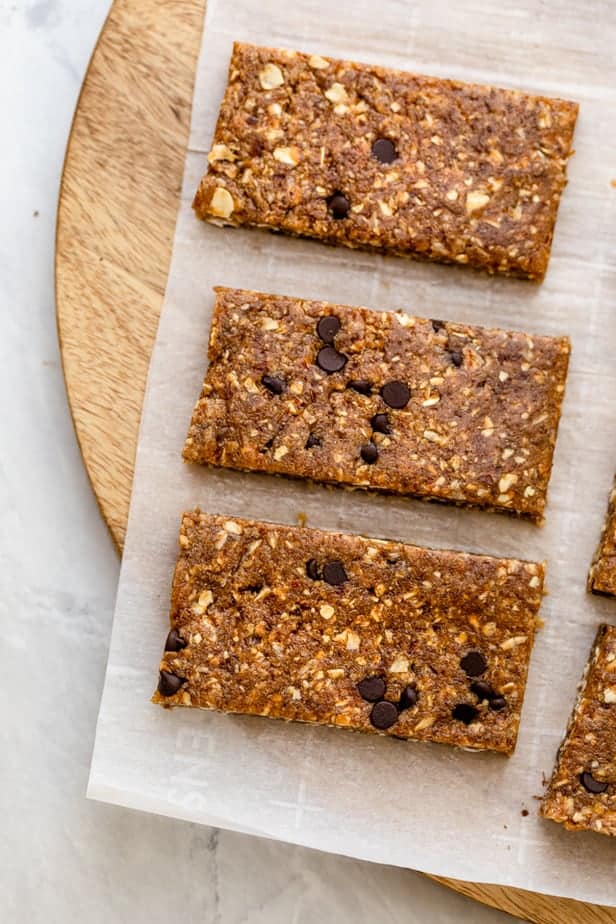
(116, 217)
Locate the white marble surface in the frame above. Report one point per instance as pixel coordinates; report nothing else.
(62, 858)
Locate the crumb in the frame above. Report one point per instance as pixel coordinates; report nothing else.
(35, 213)
(302, 519)
(613, 184)
(524, 812)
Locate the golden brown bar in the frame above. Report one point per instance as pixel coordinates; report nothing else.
(370, 157)
(305, 625)
(582, 792)
(602, 574)
(380, 400)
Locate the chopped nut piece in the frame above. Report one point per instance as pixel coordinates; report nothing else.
(271, 77)
(476, 201)
(288, 156)
(317, 62)
(336, 93)
(221, 204)
(220, 152)
(506, 482)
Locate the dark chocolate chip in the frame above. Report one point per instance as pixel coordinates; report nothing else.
(369, 453)
(384, 714)
(274, 383)
(339, 205)
(524, 813)
(312, 441)
(482, 689)
(437, 325)
(456, 357)
(474, 664)
(497, 703)
(380, 423)
(464, 712)
(175, 642)
(328, 327)
(408, 698)
(330, 360)
(591, 784)
(312, 569)
(384, 150)
(372, 689)
(268, 445)
(334, 573)
(169, 683)
(396, 394)
(360, 385)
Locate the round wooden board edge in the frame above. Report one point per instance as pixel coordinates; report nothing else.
(107, 281)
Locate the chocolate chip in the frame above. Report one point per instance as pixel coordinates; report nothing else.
(369, 453)
(464, 712)
(330, 360)
(497, 703)
(384, 150)
(169, 683)
(408, 698)
(437, 325)
(360, 385)
(474, 664)
(482, 689)
(312, 569)
(268, 445)
(312, 441)
(396, 394)
(380, 423)
(328, 327)
(591, 784)
(524, 813)
(339, 205)
(372, 689)
(274, 383)
(456, 357)
(334, 573)
(384, 714)
(175, 642)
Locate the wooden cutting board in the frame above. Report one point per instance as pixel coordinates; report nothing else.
(116, 217)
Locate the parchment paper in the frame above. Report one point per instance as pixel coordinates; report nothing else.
(423, 806)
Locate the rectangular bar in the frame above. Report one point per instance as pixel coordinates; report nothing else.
(305, 625)
(602, 574)
(380, 400)
(582, 792)
(375, 158)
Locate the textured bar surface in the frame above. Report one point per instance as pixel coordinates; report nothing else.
(319, 627)
(477, 426)
(370, 157)
(582, 792)
(602, 574)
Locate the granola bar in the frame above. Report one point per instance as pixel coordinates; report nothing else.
(305, 625)
(582, 792)
(376, 158)
(602, 574)
(380, 400)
